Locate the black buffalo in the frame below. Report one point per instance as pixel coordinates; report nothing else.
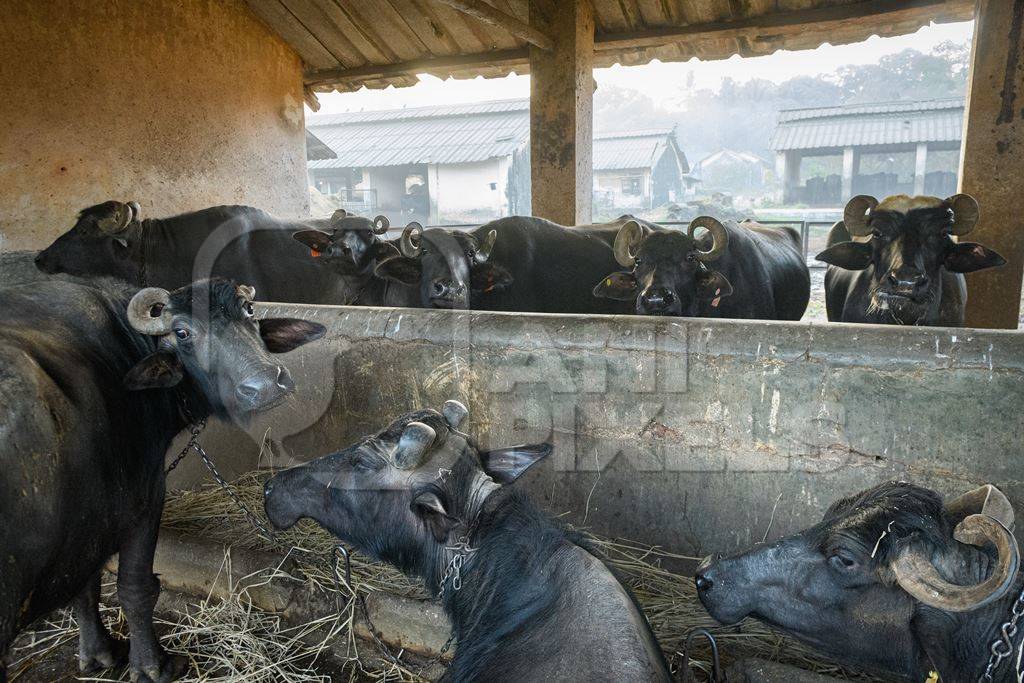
(444, 268)
(94, 384)
(733, 271)
(237, 242)
(895, 262)
(526, 601)
(890, 581)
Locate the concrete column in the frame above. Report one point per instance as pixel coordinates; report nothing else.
(849, 159)
(561, 112)
(920, 167)
(787, 167)
(433, 191)
(990, 163)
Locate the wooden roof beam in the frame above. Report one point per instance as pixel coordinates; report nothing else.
(776, 23)
(500, 58)
(478, 9)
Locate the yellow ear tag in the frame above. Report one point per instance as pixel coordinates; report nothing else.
(933, 677)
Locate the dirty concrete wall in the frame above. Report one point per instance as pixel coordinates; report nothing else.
(178, 104)
(687, 433)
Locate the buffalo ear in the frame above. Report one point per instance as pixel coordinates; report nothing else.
(160, 370)
(488, 277)
(281, 335)
(401, 269)
(505, 465)
(848, 255)
(429, 507)
(712, 285)
(317, 240)
(620, 286)
(967, 257)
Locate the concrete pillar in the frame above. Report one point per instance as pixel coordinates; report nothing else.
(849, 160)
(990, 163)
(920, 167)
(561, 112)
(433, 191)
(787, 167)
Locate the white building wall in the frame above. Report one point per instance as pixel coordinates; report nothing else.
(475, 187)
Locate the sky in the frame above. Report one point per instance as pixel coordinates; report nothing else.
(651, 79)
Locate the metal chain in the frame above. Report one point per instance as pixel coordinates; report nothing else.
(1002, 646)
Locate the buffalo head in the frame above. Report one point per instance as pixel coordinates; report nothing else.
(446, 266)
(208, 335)
(404, 493)
(906, 242)
(352, 245)
(670, 272)
(103, 235)
(879, 566)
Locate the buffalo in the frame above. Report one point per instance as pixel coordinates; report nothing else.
(525, 598)
(734, 270)
(890, 580)
(241, 243)
(96, 380)
(895, 262)
(443, 268)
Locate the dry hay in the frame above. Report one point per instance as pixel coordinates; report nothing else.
(668, 599)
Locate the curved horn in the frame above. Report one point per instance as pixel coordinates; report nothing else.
(246, 292)
(119, 219)
(147, 311)
(338, 215)
(856, 214)
(719, 237)
(626, 242)
(409, 244)
(454, 413)
(136, 211)
(484, 251)
(416, 439)
(381, 225)
(916, 574)
(965, 213)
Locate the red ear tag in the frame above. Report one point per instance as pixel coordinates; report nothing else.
(314, 253)
(717, 300)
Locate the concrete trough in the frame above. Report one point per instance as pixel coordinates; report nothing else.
(696, 435)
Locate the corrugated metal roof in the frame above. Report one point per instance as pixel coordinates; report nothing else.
(377, 43)
(464, 133)
(316, 149)
(882, 123)
(455, 134)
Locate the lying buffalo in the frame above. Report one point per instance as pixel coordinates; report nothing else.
(443, 268)
(237, 242)
(94, 384)
(526, 601)
(734, 270)
(890, 581)
(895, 262)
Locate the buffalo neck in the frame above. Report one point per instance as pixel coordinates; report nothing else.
(957, 644)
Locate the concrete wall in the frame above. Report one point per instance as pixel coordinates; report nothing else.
(686, 433)
(178, 104)
(466, 187)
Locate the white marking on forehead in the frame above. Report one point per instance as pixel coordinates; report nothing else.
(901, 203)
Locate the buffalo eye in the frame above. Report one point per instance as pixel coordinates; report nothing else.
(691, 256)
(842, 561)
(182, 334)
(247, 309)
(637, 261)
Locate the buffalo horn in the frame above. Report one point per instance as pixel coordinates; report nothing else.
(409, 244)
(118, 219)
(246, 292)
(147, 311)
(627, 240)
(719, 237)
(965, 213)
(416, 439)
(484, 251)
(136, 210)
(454, 413)
(338, 215)
(381, 225)
(916, 574)
(856, 214)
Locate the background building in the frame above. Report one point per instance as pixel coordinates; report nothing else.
(826, 155)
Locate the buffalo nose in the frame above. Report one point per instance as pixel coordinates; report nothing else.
(266, 387)
(907, 279)
(703, 582)
(441, 287)
(658, 297)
